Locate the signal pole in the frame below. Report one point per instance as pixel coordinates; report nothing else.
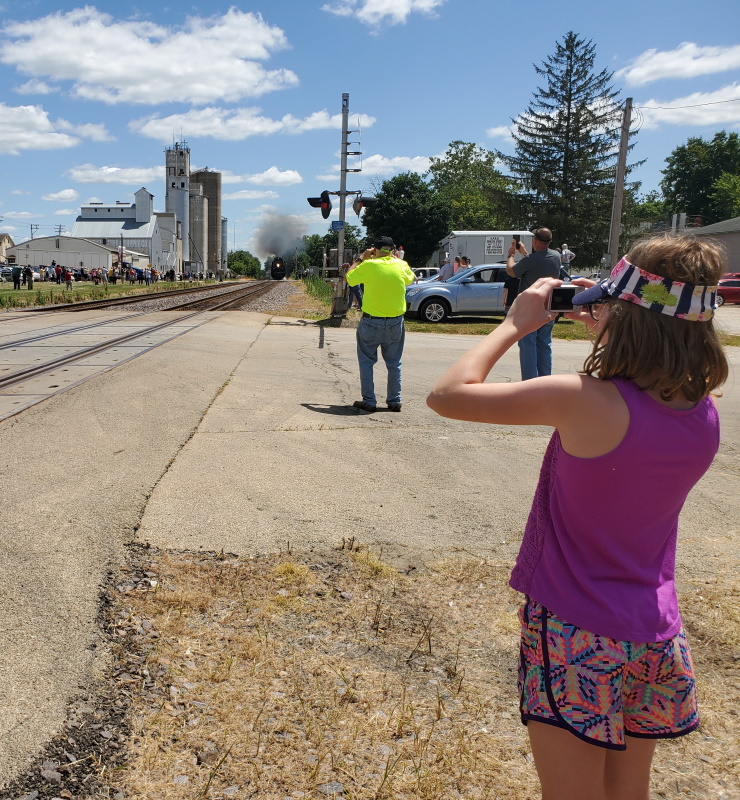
(339, 303)
(616, 224)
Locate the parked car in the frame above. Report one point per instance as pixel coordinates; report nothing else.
(6, 273)
(424, 273)
(476, 291)
(728, 290)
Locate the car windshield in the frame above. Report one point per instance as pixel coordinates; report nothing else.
(463, 273)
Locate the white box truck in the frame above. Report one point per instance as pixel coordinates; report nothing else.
(481, 247)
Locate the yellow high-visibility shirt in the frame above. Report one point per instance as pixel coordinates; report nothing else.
(385, 280)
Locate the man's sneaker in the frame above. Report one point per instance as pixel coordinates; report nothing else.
(365, 406)
(394, 406)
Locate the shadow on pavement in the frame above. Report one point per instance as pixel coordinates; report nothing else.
(343, 411)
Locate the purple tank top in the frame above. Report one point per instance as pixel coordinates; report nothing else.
(599, 549)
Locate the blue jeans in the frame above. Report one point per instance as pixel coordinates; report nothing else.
(388, 334)
(356, 293)
(535, 353)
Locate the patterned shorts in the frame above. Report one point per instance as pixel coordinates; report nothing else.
(603, 689)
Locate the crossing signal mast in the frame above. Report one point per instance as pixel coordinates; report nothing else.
(340, 302)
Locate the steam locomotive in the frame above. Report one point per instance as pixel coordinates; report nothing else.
(277, 269)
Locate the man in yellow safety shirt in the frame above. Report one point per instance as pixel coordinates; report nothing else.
(383, 305)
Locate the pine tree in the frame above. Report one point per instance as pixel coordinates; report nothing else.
(566, 146)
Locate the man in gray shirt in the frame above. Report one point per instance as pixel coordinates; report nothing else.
(535, 349)
(445, 271)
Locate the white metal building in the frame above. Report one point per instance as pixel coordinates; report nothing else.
(67, 251)
(134, 226)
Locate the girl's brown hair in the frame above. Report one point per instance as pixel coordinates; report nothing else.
(674, 356)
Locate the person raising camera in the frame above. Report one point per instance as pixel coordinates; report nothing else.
(605, 668)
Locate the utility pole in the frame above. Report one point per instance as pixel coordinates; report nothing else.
(34, 228)
(616, 224)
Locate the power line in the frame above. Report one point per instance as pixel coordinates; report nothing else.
(697, 105)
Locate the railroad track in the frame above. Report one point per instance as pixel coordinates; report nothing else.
(193, 308)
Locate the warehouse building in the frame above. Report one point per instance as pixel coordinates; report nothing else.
(67, 251)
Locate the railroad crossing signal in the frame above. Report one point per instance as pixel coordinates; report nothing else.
(361, 202)
(323, 202)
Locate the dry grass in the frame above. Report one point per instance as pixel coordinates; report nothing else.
(292, 676)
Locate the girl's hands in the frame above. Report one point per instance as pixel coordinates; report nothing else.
(529, 311)
(583, 316)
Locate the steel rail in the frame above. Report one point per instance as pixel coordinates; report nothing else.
(33, 372)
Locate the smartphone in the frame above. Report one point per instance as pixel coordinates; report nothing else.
(561, 298)
(517, 239)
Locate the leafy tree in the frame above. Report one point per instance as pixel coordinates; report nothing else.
(353, 237)
(725, 196)
(692, 172)
(566, 146)
(314, 249)
(412, 213)
(475, 192)
(242, 262)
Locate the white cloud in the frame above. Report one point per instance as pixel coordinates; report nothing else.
(9, 229)
(688, 60)
(66, 212)
(65, 196)
(388, 12)
(93, 199)
(29, 128)
(380, 165)
(96, 132)
(276, 177)
(501, 132)
(20, 215)
(19, 191)
(699, 108)
(135, 61)
(249, 194)
(236, 124)
(35, 86)
(127, 176)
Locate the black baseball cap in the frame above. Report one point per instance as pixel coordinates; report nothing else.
(384, 243)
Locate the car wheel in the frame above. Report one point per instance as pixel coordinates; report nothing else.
(720, 300)
(434, 310)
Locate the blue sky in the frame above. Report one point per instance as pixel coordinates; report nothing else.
(91, 95)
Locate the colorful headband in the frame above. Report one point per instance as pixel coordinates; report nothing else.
(690, 301)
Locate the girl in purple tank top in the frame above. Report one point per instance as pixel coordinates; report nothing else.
(604, 665)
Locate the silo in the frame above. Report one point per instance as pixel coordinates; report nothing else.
(198, 228)
(178, 190)
(224, 244)
(211, 183)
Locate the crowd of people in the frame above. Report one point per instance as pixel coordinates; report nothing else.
(100, 276)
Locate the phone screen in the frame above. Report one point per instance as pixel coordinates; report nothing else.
(561, 298)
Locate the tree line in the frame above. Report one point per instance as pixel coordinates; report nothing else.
(561, 175)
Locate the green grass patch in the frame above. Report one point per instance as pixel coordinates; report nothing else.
(482, 326)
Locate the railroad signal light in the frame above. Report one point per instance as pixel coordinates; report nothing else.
(323, 202)
(361, 202)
